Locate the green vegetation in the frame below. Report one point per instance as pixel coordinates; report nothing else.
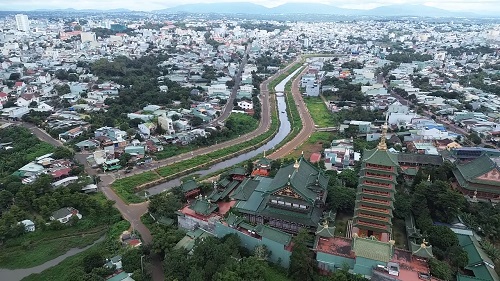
(408, 56)
(78, 267)
(320, 114)
(21, 250)
(125, 187)
(26, 147)
(36, 249)
(217, 259)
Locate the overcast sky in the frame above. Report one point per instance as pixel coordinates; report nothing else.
(148, 5)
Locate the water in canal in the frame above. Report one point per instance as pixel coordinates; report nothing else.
(283, 131)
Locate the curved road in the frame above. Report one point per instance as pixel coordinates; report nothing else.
(307, 122)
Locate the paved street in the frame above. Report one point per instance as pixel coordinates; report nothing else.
(237, 81)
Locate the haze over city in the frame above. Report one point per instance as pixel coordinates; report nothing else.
(477, 6)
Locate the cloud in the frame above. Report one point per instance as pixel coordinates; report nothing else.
(148, 5)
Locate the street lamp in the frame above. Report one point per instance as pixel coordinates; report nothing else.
(142, 265)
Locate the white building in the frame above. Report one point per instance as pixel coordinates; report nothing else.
(22, 22)
(245, 105)
(397, 107)
(166, 124)
(63, 215)
(88, 37)
(29, 226)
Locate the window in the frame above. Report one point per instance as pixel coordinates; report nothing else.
(288, 204)
(281, 202)
(274, 201)
(303, 206)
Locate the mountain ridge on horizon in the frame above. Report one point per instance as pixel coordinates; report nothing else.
(314, 8)
(249, 8)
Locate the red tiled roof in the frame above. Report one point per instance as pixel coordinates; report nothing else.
(61, 172)
(3, 95)
(18, 84)
(315, 157)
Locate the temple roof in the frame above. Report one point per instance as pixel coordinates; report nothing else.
(422, 250)
(479, 172)
(263, 162)
(203, 207)
(245, 189)
(303, 177)
(380, 157)
(324, 230)
(416, 158)
(372, 249)
(189, 185)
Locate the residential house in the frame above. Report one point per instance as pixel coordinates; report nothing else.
(29, 226)
(63, 215)
(147, 129)
(73, 133)
(14, 113)
(245, 105)
(26, 99)
(166, 124)
(122, 276)
(3, 97)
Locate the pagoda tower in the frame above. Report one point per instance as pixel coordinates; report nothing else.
(373, 211)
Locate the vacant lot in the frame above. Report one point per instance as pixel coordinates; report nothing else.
(320, 114)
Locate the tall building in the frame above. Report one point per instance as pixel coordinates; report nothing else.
(374, 207)
(22, 23)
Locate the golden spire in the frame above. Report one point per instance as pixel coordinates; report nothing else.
(382, 145)
(296, 165)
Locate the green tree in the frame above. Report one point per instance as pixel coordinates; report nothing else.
(131, 260)
(341, 198)
(440, 269)
(62, 152)
(442, 237)
(93, 260)
(302, 263)
(124, 158)
(475, 138)
(164, 204)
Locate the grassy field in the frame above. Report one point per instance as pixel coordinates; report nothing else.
(125, 187)
(32, 253)
(35, 248)
(320, 114)
(72, 268)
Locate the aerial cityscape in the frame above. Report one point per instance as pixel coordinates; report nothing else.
(262, 140)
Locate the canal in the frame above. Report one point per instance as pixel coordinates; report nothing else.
(283, 131)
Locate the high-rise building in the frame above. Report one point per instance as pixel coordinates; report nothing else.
(22, 22)
(374, 207)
